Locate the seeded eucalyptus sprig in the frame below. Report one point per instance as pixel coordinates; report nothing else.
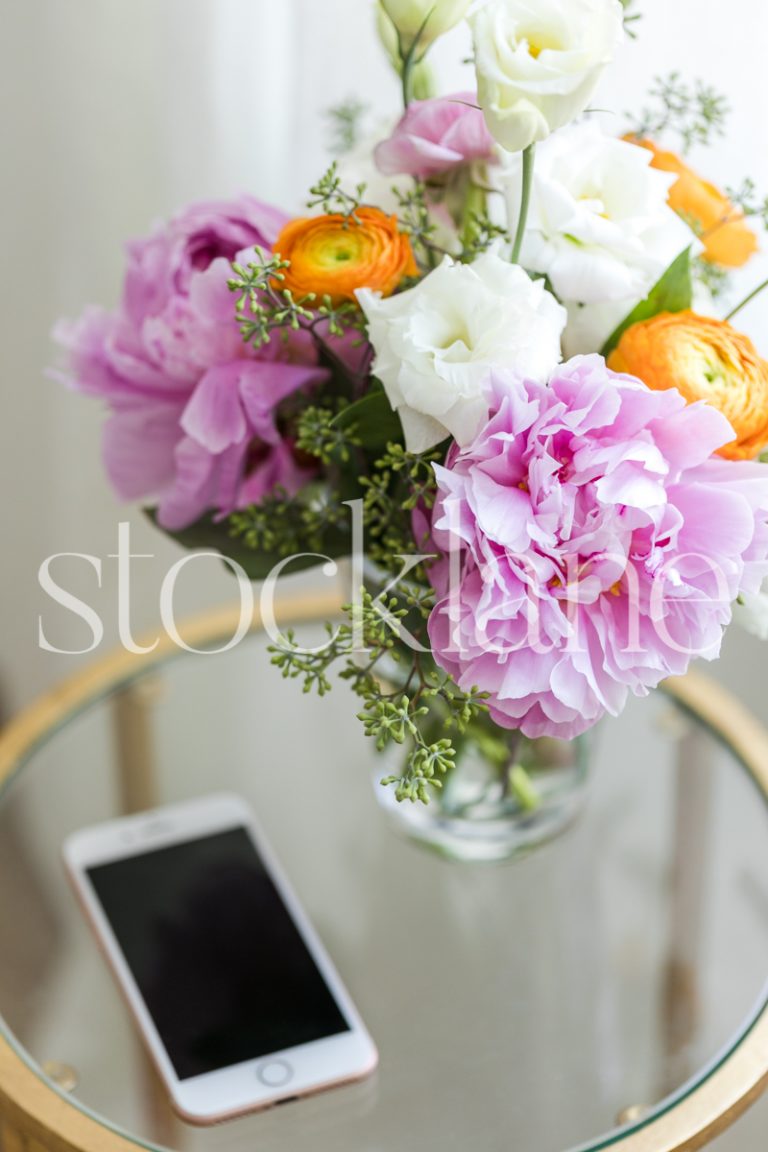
(398, 484)
(407, 701)
(329, 194)
(483, 233)
(345, 121)
(696, 112)
(416, 220)
(392, 483)
(264, 307)
(328, 442)
(314, 520)
(631, 18)
(714, 278)
(750, 201)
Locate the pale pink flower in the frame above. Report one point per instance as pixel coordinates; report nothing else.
(436, 136)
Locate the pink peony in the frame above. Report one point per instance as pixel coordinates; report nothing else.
(591, 546)
(193, 410)
(436, 136)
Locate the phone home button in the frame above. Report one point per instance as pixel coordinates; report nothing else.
(275, 1073)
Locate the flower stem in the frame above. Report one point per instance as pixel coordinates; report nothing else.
(523, 789)
(407, 79)
(475, 207)
(525, 201)
(410, 59)
(747, 299)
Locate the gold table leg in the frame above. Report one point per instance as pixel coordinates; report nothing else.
(692, 824)
(134, 706)
(138, 791)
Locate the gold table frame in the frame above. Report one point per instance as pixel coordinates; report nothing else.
(35, 1116)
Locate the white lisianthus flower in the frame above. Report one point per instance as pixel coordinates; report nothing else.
(751, 612)
(599, 228)
(538, 62)
(437, 343)
(436, 17)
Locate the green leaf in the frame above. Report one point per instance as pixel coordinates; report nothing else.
(672, 293)
(375, 422)
(206, 534)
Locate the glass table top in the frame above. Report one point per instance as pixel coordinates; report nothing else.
(538, 1005)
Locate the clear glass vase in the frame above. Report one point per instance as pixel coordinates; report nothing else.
(507, 793)
(491, 808)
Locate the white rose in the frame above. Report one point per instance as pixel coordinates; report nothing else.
(435, 17)
(538, 62)
(599, 228)
(437, 343)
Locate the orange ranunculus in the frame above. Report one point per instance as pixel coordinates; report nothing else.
(706, 359)
(725, 234)
(335, 255)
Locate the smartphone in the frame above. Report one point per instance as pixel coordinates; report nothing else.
(231, 989)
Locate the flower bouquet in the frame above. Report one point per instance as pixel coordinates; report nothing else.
(489, 363)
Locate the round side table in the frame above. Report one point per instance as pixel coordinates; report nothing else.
(607, 991)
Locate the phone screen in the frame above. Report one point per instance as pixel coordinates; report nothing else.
(223, 970)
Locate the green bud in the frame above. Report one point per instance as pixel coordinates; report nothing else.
(388, 37)
(435, 17)
(423, 78)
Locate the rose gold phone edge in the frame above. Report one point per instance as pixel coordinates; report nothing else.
(151, 1040)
